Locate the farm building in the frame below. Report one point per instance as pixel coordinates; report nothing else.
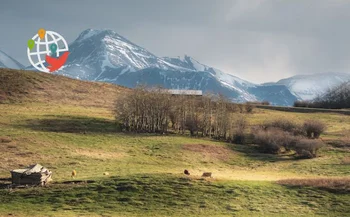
(186, 92)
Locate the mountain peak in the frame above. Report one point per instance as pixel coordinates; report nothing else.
(104, 55)
(92, 33)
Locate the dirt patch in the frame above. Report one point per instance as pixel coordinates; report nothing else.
(210, 151)
(346, 161)
(5, 140)
(98, 154)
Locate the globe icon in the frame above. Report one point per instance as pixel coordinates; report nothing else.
(43, 46)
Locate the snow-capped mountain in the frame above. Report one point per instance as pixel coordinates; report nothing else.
(104, 55)
(308, 87)
(8, 62)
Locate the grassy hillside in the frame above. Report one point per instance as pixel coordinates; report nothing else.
(24, 86)
(66, 124)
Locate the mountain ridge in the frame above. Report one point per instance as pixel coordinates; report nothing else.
(104, 55)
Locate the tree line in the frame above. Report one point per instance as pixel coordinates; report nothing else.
(155, 110)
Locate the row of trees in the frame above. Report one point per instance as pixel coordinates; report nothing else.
(335, 98)
(157, 111)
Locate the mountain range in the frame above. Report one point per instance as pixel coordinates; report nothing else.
(308, 87)
(104, 55)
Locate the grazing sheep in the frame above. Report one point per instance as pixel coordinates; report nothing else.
(186, 172)
(106, 173)
(207, 174)
(74, 173)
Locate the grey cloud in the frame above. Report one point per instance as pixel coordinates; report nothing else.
(258, 40)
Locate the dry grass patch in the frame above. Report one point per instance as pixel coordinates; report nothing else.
(210, 151)
(5, 139)
(346, 161)
(98, 154)
(333, 184)
(27, 86)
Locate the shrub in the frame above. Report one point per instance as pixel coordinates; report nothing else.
(307, 148)
(290, 141)
(274, 140)
(303, 104)
(313, 128)
(240, 125)
(283, 124)
(249, 108)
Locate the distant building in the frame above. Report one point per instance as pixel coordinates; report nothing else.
(185, 92)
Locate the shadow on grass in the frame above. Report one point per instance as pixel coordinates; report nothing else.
(5, 183)
(251, 152)
(79, 124)
(72, 124)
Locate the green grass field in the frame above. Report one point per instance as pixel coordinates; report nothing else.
(145, 171)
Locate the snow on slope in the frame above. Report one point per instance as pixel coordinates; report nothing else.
(104, 55)
(227, 79)
(8, 62)
(111, 55)
(308, 87)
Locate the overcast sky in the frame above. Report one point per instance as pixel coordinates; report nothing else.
(257, 40)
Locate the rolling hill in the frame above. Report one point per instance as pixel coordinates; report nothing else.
(67, 124)
(28, 86)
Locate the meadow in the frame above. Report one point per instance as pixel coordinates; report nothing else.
(54, 122)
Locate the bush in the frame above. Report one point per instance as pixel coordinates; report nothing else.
(267, 141)
(307, 148)
(283, 124)
(313, 128)
(302, 104)
(290, 141)
(249, 108)
(273, 141)
(240, 126)
(284, 135)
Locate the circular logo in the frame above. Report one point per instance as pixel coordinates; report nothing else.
(47, 51)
